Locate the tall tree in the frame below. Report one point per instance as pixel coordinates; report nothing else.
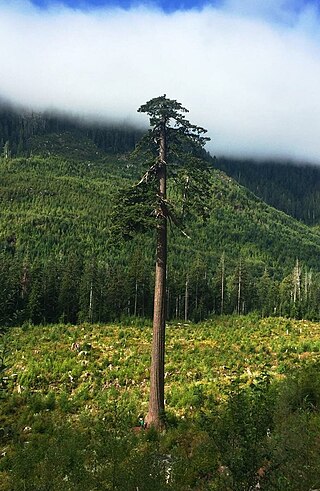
(172, 148)
(6, 150)
(220, 286)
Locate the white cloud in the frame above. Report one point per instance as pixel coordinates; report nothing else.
(252, 83)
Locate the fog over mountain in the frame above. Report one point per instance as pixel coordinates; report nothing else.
(248, 72)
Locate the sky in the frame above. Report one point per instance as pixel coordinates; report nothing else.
(248, 70)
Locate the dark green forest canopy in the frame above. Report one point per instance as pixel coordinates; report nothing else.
(292, 188)
(27, 133)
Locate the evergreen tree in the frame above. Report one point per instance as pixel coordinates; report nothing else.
(220, 286)
(68, 299)
(243, 290)
(6, 150)
(266, 295)
(171, 149)
(35, 311)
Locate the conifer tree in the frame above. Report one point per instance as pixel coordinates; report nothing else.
(172, 149)
(6, 150)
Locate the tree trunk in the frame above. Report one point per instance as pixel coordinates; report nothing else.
(135, 299)
(239, 287)
(90, 303)
(186, 298)
(296, 282)
(222, 284)
(156, 402)
(143, 300)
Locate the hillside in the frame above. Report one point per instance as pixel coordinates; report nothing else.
(26, 132)
(61, 258)
(48, 203)
(288, 186)
(57, 240)
(242, 392)
(291, 187)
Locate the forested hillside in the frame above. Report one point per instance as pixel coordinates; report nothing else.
(22, 133)
(61, 258)
(292, 188)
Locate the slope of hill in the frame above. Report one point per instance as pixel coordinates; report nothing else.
(26, 132)
(289, 187)
(60, 259)
(292, 188)
(48, 202)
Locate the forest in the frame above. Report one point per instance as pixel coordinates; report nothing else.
(290, 187)
(76, 302)
(62, 258)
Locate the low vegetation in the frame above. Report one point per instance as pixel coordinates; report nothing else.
(242, 400)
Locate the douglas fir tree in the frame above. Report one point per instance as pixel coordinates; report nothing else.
(172, 151)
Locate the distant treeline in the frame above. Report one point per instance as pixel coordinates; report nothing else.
(62, 260)
(72, 289)
(18, 127)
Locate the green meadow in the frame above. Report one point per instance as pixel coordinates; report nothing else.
(242, 406)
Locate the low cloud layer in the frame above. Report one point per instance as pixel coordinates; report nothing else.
(249, 75)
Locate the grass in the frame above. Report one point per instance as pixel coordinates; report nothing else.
(93, 363)
(95, 378)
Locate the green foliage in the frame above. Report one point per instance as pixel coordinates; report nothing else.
(62, 259)
(292, 188)
(185, 175)
(234, 419)
(23, 133)
(134, 211)
(3, 366)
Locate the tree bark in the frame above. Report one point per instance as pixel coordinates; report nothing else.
(239, 287)
(222, 284)
(156, 402)
(135, 299)
(186, 299)
(90, 303)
